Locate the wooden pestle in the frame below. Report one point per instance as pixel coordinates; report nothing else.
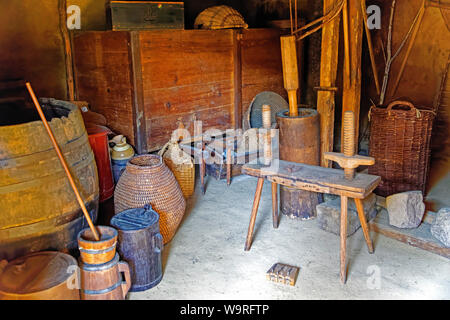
(290, 71)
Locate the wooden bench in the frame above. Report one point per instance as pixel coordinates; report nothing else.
(317, 179)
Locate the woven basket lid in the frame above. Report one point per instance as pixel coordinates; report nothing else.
(219, 17)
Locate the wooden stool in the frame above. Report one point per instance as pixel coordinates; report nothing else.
(317, 179)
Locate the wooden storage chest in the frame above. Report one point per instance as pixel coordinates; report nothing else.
(145, 82)
(145, 15)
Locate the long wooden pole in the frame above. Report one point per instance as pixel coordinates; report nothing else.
(408, 50)
(67, 49)
(328, 72)
(351, 95)
(62, 160)
(346, 40)
(369, 44)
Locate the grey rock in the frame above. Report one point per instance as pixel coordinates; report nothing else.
(440, 228)
(329, 214)
(405, 209)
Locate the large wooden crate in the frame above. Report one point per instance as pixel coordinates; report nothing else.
(144, 82)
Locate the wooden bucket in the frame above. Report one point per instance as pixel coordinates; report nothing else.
(39, 210)
(104, 282)
(140, 244)
(97, 252)
(39, 276)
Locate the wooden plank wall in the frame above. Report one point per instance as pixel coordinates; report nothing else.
(146, 82)
(103, 77)
(261, 64)
(423, 72)
(187, 76)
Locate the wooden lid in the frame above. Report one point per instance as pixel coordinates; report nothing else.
(36, 272)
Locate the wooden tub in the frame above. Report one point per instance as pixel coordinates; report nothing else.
(38, 208)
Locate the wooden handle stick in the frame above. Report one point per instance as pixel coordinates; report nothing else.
(369, 44)
(408, 51)
(61, 159)
(290, 71)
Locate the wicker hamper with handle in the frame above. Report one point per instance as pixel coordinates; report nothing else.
(181, 165)
(400, 143)
(147, 180)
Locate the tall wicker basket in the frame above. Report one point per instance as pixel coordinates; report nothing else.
(147, 179)
(181, 165)
(400, 143)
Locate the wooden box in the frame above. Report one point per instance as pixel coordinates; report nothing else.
(145, 15)
(145, 82)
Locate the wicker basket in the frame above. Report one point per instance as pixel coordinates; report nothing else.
(181, 165)
(147, 179)
(400, 144)
(219, 17)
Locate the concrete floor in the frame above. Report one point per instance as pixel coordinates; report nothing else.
(206, 258)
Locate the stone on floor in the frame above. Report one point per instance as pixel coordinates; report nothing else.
(441, 226)
(405, 209)
(329, 214)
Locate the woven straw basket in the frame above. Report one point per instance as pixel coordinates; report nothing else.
(181, 165)
(400, 144)
(147, 179)
(219, 17)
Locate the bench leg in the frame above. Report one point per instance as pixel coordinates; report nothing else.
(203, 170)
(343, 238)
(228, 167)
(365, 227)
(259, 186)
(275, 204)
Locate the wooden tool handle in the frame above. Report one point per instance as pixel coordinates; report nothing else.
(62, 160)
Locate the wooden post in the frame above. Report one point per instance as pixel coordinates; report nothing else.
(352, 85)
(328, 71)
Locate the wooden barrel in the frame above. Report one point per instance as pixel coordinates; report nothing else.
(140, 244)
(299, 142)
(104, 282)
(38, 208)
(97, 252)
(40, 276)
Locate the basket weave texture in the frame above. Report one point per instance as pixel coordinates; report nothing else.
(181, 165)
(400, 143)
(219, 17)
(147, 180)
